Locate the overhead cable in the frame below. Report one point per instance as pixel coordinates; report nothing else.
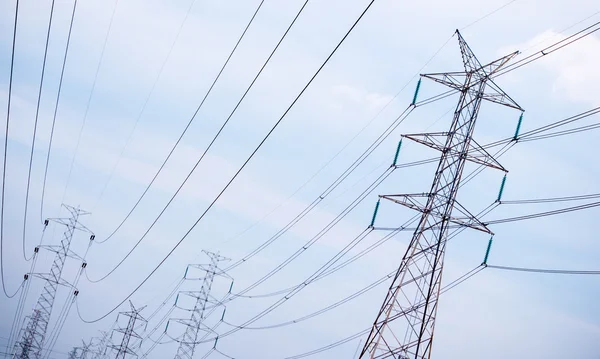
(237, 172)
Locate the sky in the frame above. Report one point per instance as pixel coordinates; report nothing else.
(137, 70)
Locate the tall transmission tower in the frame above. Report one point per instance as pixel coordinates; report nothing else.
(405, 323)
(204, 301)
(32, 338)
(129, 331)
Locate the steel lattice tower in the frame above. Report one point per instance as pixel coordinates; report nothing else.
(129, 331)
(405, 323)
(103, 343)
(73, 353)
(81, 352)
(32, 339)
(24, 347)
(195, 324)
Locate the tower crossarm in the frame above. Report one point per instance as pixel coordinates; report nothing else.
(475, 153)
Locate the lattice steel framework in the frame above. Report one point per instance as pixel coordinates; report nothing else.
(128, 332)
(73, 353)
(28, 338)
(81, 352)
(102, 343)
(204, 301)
(405, 323)
(32, 339)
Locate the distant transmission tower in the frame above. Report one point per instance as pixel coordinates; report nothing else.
(204, 301)
(129, 331)
(82, 352)
(85, 350)
(405, 323)
(73, 353)
(103, 342)
(32, 338)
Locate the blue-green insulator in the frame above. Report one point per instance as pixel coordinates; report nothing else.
(176, 298)
(167, 326)
(518, 127)
(223, 315)
(487, 251)
(397, 152)
(216, 340)
(375, 213)
(416, 92)
(501, 189)
(185, 274)
(230, 286)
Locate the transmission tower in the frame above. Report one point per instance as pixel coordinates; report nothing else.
(129, 331)
(82, 352)
(73, 353)
(405, 323)
(28, 339)
(204, 302)
(103, 342)
(32, 338)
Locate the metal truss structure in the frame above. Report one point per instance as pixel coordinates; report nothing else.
(204, 302)
(32, 337)
(405, 324)
(128, 332)
(100, 345)
(82, 352)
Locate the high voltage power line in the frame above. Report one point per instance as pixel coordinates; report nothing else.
(89, 100)
(245, 162)
(57, 101)
(35, 126)
(186, 127)
(10, 84)
(330, 266)
(144, 105)
(206, 149)
(564, 44)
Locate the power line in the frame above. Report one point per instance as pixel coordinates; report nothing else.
(89, 100)
(546, 271)
(187, 125)
(145, 104)
(446, 288)
(488, 14)
(37, 113)
(550, 49)
(206, 149)
(544, 214)
(333, 186)
(62, 73)
(553, 199)
(241, 168)
(10, 83)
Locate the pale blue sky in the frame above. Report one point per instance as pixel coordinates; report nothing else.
(495, 314)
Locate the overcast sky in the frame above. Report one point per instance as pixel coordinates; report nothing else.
(159, 60)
